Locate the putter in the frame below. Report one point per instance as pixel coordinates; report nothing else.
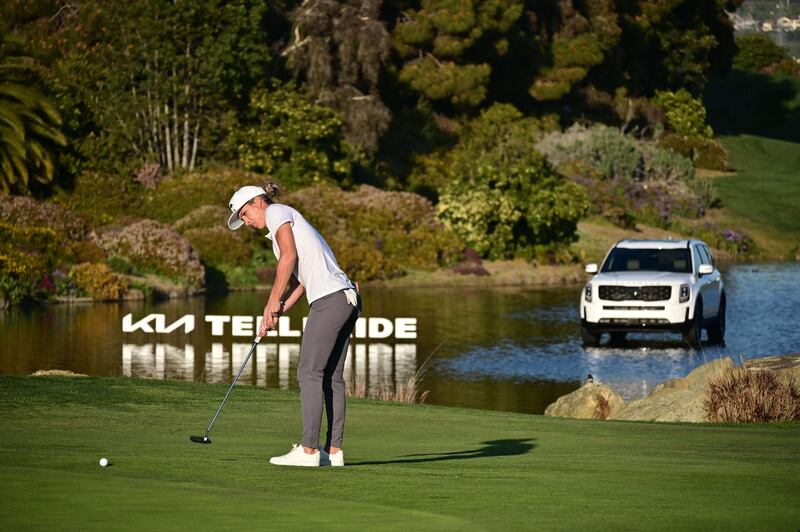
(204, 438)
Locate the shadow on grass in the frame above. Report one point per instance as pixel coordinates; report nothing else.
(514, 447)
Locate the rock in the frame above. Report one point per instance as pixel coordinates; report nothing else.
(677, 399)
(56, 373)
(786, 367)
(590, 401)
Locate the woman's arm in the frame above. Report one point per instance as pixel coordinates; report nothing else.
(296, 291)
(285, 239)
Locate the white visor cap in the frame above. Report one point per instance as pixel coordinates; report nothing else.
(238, 200)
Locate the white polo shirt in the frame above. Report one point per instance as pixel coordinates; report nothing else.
(316, 268)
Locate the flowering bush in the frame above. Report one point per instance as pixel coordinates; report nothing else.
(24, 211)
(629, 180)
(27, 255)
(152, 246)
(98, 281)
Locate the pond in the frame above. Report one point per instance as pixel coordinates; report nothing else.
(515, 349)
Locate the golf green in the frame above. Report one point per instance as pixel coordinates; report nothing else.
(431, 468)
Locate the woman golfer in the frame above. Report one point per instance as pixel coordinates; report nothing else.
(306, 264)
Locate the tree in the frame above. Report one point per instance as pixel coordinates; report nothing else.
(158, 81)
(338, 49)
(448, 45)
(575, 37)
(757, 51)
(670, 44)
(293, 140)
(29, 123)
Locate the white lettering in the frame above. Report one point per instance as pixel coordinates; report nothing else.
(377, 328)
(405, 328)
(143, 324)
(361, 328)
(242, 326)
(380, 328)
(217, 324)
(187, 321)
(128, 326)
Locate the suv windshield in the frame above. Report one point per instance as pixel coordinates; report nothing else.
(657, 260)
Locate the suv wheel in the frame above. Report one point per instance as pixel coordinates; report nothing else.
(716, 331)
(589, 338)
(693, 333)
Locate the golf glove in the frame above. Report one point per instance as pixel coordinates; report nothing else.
(351, 296)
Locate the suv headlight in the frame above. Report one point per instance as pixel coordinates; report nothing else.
(684, 293)
(587, 293)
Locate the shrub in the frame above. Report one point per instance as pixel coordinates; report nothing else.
(704, 153)
(503, 197)
(99, 282)
(102, 198)
(604, 151)
(629, 180)
(742, 396)
(179, 195)
(377, 234)
(203, 217)
(152, 246)
(121, 265)
(666, 165)
(685, 114)
(758, 51)
(219, 245)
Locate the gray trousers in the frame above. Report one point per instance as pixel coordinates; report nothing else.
(320, 372)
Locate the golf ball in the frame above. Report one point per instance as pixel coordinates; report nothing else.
(103, 462)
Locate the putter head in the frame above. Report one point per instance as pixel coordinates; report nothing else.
(199, 439)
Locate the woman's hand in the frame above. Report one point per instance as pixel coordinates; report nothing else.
(269, 320)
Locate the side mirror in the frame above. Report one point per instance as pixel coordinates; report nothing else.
(591, 268)
(705, 269)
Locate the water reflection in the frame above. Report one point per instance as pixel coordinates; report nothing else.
(505, 348)
(366, 367)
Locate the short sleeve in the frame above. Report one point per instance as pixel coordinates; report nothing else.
(277, 215)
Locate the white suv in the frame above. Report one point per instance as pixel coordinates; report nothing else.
(663, 285)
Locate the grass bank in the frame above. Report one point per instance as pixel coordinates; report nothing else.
(763, 196)
(429, 467)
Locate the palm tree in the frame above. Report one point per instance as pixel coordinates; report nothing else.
(30, 126)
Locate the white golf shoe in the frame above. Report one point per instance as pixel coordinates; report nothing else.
(296, 457)
(335, 459)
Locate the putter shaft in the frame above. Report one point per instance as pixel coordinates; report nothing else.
(235, 380)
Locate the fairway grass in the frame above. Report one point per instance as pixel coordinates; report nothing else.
(425, 467)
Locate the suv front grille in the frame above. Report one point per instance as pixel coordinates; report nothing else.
(635, 293)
